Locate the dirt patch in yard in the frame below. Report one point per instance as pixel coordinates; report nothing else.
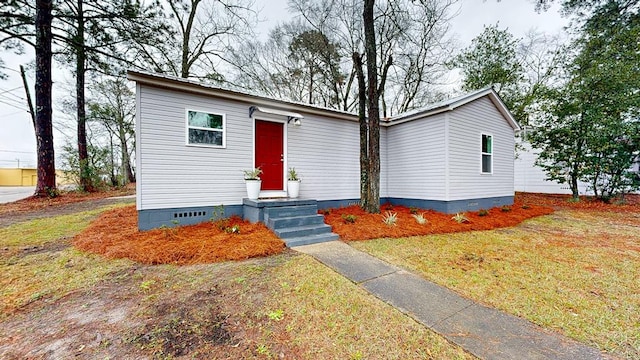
(147, 312)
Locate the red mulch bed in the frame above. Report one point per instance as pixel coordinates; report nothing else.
(371, 226)
(115, 235)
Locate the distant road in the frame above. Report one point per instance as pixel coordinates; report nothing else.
(14, 193)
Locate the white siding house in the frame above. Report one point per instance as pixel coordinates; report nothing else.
(194, 140)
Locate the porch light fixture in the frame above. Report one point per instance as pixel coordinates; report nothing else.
(294, 120)
(292, 117)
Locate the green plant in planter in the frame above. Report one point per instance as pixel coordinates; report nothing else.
(293, 175)
(483, 212)
(253, 174)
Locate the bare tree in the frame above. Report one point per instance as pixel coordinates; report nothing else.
(202, 34)
(114, 108)
(413, 33)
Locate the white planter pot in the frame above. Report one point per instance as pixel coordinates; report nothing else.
(253, 189)
(293, 188)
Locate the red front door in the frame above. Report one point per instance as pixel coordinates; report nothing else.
(270, 154)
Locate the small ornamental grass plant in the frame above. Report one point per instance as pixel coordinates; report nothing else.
(349, 218)
(390, 218)
(420, 219)
(460, 218)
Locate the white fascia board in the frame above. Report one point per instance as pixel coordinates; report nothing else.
(173, 83)
(452, 104)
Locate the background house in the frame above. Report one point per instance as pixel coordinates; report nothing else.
(193, 140)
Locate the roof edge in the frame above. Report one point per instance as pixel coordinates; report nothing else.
(453, 103)
(173, 83)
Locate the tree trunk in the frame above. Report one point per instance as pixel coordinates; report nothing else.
(46, 185)
(574, 185)
(83, 155)
(372, 203)
(364, 133)
(186, 39)
(114, 177)
(127, 174)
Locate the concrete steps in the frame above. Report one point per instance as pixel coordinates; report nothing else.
(298, 224)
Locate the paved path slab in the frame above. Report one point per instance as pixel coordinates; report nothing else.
(485, 332)
(349, 262)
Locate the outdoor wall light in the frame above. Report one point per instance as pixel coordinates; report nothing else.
(295, 121)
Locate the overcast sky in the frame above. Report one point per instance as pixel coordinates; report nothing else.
(17, 139)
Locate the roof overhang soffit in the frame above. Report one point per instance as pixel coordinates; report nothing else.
(265, 110)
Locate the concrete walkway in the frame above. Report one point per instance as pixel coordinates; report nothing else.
(484, 332)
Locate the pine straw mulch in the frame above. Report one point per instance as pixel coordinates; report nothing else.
(115, 235)
(371, 226)
(35, 204)
(630, 202)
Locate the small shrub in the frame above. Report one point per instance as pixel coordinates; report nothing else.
(388, 207)
(222, 224)
(483, 212)
(505, 208)
(390, 218)
(525, 206)
(167, 231)
(217, 213)
(413, 210)
(235, 229)
(349, 219)
(460, 218)
(325, 211)
(420, 219)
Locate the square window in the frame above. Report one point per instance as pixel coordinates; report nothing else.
(204, 128)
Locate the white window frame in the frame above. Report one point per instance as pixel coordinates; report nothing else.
(482, 154)
(223, 130)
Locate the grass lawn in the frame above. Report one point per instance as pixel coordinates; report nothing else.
(575, 271)
(59, 302)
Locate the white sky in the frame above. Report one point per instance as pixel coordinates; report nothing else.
(17, 139)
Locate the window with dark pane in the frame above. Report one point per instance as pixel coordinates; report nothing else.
(487, 153)
(205, 128)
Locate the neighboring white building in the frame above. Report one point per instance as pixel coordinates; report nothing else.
(194, 140)
(531, 178)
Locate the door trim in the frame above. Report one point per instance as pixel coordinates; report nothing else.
(272, 193)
